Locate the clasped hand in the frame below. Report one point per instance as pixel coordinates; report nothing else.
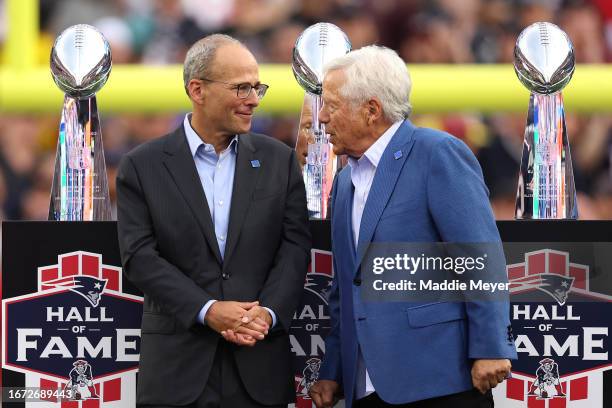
(487, 373)
(242, 323)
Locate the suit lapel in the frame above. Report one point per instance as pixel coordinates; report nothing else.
(181, 166)
(384, 182)
(342, 223)
(350, 191)
(245, 180)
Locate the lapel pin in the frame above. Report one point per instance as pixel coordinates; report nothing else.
(255, 163)
(397, 155)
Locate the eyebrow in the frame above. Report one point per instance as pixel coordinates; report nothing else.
(329, 99)
(242, 83)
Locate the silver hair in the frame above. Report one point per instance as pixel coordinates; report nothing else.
(375, 71)
(199, 58)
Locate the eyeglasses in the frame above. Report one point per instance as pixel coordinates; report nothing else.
(244, 90)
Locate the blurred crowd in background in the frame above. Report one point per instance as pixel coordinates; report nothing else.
(432, 31)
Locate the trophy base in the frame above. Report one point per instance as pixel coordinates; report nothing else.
(546, 187)
(80, 184)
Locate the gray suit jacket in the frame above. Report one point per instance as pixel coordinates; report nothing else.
(170, 252)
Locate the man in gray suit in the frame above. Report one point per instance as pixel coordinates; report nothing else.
(213, 229)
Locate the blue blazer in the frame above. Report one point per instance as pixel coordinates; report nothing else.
(433, 192)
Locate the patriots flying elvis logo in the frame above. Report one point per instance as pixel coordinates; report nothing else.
(89, 287)
(557, 286)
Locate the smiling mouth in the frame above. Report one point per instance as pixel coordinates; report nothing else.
(244, 114)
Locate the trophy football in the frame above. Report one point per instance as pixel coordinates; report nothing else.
(316, 46)
(544, 62)
(80, 66)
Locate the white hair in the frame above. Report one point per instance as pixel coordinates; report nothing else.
(375, 71)
(199, 58)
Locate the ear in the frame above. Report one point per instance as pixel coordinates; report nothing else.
(374, 110)
(197, 91)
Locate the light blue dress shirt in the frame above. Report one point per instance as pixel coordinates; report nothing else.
(362, 175)
(216, 173)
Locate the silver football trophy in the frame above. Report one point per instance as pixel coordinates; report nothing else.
(80, 65)
(316, 46)
(544, 62)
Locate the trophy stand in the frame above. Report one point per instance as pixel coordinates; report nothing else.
(321, 165)
(546, 180)
(80, 185)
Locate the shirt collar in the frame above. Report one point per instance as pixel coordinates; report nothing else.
(195, 141)
(375, 152)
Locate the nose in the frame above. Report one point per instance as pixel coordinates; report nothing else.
(323, 115)
(252, 99)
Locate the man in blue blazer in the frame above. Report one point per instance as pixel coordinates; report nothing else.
(403, 184)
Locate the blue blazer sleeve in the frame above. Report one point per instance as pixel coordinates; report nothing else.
(459, 203)
(331, 368)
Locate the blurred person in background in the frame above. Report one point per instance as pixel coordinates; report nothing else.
(500, 160)
(432, 40)
(312, 12)
(584, 26)
(255, 16)
(58, 15)
(532, 11)
(35, 204)
(172, 33)
(143, 127)
(393, 18)
(605, 9)
(481, 31)
(19, 137)
(210, 15)
(496, 35)
(304, 135)
(120, 38)
(592, 151)
(280, 42)
(358, 25)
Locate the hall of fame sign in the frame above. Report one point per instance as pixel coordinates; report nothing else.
(78, 331)
(561, 334)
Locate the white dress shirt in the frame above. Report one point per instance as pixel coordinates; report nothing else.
(216, 173)
(362, 174)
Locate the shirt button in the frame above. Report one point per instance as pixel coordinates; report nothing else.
(220, 202)
(222, 238)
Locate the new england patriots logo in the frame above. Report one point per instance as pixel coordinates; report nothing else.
(557, 286)
(318, 284)
(547, 384)
(89, 287)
